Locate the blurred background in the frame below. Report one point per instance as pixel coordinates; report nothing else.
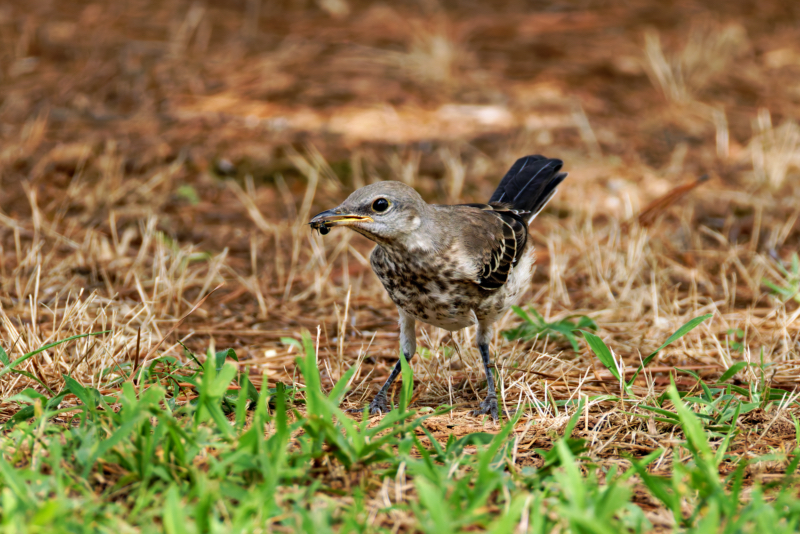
(151, 150)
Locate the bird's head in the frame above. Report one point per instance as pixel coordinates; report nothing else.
(385, 212)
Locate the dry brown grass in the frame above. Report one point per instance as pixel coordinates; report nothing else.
(113, 119)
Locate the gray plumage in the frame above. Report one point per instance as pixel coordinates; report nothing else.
(450, 266)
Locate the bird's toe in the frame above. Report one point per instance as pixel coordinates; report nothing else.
(487, 407)
(379, 405)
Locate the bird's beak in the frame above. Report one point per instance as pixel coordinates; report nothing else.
(335, 217)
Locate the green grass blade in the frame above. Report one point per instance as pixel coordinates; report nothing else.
(522, 314)
(340, 388)
(574, 488)
(601, 350)
(222, 355)
(33, 353)
(693, 430)
(732, 370)
(174, 517)
(431, 498)
(510, 519)
(79, 391)
(222, 381)
(497, 442)
(573, 421)
(706, 391)
(682, 331)
(10, 479)
(666, 413)
(723, 447)
(103, 446)
(34, 378)
(407, 388)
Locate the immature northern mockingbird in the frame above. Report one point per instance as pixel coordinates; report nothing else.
(450, 266)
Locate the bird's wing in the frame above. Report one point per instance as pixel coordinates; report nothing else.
(496, 241)
(530, 184)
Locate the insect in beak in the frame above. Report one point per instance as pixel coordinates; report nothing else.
(327, 219)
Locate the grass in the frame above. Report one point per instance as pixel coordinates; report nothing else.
(152, 463)
(158, 166)
(789, 287)
(536, 327)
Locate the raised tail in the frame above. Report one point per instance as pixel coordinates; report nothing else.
(529, 185)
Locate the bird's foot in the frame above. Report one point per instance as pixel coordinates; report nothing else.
(488, 407)
(379, 405)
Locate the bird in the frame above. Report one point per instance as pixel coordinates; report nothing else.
(450, 266)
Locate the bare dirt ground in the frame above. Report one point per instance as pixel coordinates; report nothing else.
(150, 151)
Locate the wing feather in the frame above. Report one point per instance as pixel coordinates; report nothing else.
(506, 246)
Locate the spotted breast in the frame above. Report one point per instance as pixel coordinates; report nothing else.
(432, 289)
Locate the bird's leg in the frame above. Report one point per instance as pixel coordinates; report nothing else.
(380, 404)
(408, 345)
(489, 404)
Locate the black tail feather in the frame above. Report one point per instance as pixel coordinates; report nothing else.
(529, 184)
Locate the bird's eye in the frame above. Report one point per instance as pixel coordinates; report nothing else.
(380, 205)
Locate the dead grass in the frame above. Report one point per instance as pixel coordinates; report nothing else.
(150, 153)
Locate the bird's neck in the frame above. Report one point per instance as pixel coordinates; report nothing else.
(421, 243)
(423, 237)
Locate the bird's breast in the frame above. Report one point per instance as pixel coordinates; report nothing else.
(432, 289)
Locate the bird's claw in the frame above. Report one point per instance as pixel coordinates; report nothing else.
(488, 407)
(379, 405)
